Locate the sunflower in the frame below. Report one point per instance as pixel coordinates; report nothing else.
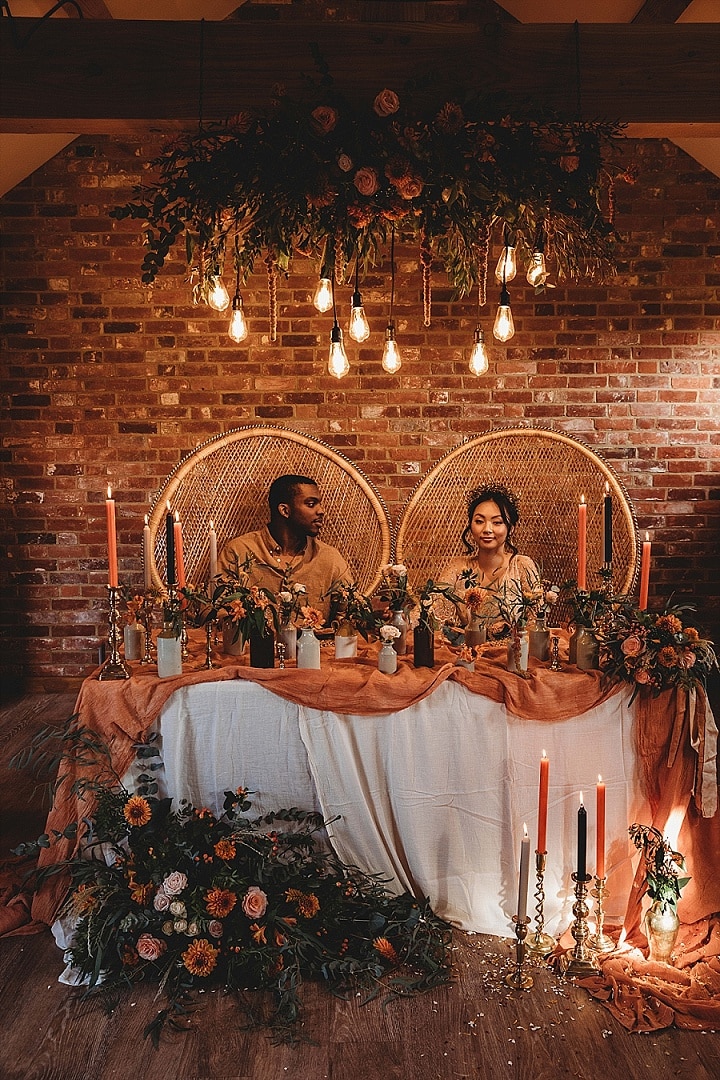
(200, 958)
(386, 949)
(137, 811)
(225, 849)
(220, 902)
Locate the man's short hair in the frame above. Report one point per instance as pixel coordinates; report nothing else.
(284, 487)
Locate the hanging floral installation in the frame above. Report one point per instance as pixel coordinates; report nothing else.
(320, 179)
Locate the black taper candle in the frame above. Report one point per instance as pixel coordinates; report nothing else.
(170, 545)
(607, 527)
(582, 840)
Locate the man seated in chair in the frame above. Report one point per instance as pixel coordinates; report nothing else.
(288, 548)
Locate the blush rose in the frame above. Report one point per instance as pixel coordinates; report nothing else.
(254, 902)
(174, 883)
(150, 948)
(386, 103)
(366, 180)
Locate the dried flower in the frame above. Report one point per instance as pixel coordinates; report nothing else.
(137, 811)
(386, 949)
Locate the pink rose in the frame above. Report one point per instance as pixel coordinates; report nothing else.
(345, 163)
(174, 883)
(386, 103)
(215, 928)
(366, 180)
(254, 902)
(409, 187)
(324, 119)
(632, 645)
(149, 947)
(642, 676)
(161, 901)
(689, 658)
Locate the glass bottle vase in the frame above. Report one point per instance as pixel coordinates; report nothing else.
(423, 645)
(662, 928)
(308, 649)
(399, 620)
(169, 653)
(262, 648)
(288, 635)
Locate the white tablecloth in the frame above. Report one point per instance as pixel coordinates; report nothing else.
(433, 797)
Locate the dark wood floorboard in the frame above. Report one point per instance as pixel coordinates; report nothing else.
(475, 1027)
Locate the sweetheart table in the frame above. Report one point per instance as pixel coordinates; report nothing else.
(427, 776)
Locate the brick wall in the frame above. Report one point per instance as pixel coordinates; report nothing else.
(107, 381)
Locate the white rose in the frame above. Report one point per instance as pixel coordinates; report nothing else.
(167, 928)
(299, 589)
(286, 597)
(178, 908)
(174, 883)
(161, 901)
(400, 569)
(180, 926)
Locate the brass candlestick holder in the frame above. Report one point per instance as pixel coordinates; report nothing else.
(280, 653)
(540, 943)
(146, 619)
(209, 662)
(114, 667)
(606, 573)
(579, 960)
(517, 978)
(600, 942)
(555, 653)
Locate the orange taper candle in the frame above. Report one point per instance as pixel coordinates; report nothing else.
(543, 803)
(112, 540)
(600, 829)
(645, 573)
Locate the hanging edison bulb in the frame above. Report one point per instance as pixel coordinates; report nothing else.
(537, 270)
(359, 327)
(504, 327)
(218, 297)
(391, 359)
(322, 298)
(338, 363)
(506, 268)
(238, 329)
(479, 362)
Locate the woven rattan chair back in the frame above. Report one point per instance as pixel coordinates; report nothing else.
(226, 481)
(549, 471)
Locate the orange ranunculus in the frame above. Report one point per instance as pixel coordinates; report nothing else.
(692, 635)
(220, 902)
(137, 811)
(225, 849)
(386, 949)
(201, 957)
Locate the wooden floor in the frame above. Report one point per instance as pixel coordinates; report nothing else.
(475, 1027)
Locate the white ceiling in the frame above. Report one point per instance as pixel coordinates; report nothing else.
(20, 154)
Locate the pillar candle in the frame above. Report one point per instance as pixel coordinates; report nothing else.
(177, 530)
(600, 854)
(543, 803)
(582, 544)
(112, 540)
(645, 573)
(607, 525)
(147, 550)
(170, 545)
(582, 839)
(524, 875)
(212, 538)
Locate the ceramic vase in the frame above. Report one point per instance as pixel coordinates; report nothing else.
(399, 620)
(387, 658)
(540, 641)
(475, 631)
(232, 647)
(345, 642)
(588, 650)
(308, 649)
(169, 653)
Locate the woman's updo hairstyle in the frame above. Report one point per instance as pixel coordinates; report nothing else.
(507, 503)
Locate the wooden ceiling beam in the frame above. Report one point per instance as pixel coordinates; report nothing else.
(113, 76)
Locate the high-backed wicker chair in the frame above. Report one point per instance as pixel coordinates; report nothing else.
(226, 480)
(549, 471)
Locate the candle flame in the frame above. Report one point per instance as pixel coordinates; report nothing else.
(525, 832)
(647, 537)
(582, 802)
(599, 779)
(582, 499)
(212, 526)
(607, 487)
(177, 515)
(109, 494)
(544, 753)
(146, 520)
(167, 504)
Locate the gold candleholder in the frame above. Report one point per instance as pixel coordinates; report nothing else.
(146, 619)
(606, 573)
(555, 653)
(280, 653)
(600, 942)
(209, 662)
(517, 978)
(579, 960)
(540, 943)
(114, 667)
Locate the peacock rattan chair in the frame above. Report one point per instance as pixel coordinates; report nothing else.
(226, 480)
(549, 471)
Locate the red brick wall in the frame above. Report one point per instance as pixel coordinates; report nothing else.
(107, 381)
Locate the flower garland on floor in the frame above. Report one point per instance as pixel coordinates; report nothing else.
(194, 900)
(327, 180)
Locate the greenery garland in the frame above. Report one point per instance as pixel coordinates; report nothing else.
(323, 179)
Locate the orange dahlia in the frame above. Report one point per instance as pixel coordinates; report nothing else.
(137, 811)
(225, 849)
(386, 949)
(200, 958)
(667, 656)
(670, 623)
(220, 902)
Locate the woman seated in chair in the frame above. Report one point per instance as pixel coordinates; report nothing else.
(491, 573)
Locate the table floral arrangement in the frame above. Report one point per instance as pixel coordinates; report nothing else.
(587, 607)
(351, 611)
(663, 866)
(248, 609)
(291, 597)
(394, 589)
(654, 651)
(178, 895)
